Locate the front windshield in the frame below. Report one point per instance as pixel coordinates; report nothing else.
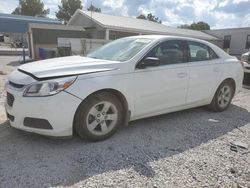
(121, 49)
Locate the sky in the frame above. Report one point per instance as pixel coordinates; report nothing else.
(217, 13)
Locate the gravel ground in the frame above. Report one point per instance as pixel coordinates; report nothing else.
(184, 149)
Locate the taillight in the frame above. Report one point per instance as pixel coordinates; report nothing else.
(242, 63)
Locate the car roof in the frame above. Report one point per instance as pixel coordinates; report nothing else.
(162, 37)
(158, 38)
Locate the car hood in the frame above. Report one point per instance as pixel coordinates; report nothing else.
(67, 66)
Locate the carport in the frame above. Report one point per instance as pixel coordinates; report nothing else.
(46, 36)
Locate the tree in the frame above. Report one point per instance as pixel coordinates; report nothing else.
(184, 26)
(152, 18)
(200, 26)
(67, 9)
(149, 17)
(196, 26)
(142, 16)
(94, 9)
(31, 8)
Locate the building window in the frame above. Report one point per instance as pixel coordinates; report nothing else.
(248, 42)
(227, 41)
(112, 36)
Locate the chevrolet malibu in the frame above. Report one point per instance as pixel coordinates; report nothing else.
(127, 79)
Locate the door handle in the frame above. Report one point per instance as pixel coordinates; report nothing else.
(182, 75)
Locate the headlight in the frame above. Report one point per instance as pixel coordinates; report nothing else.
(47, 88)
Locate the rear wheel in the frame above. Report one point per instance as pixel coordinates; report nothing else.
(223, 97)
(98, 117)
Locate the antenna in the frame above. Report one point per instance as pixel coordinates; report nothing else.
(91, 9)
(92, 24)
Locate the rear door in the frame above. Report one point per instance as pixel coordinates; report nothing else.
(204, 70)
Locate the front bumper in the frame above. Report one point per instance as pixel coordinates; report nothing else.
(246, 68)
(57, 110)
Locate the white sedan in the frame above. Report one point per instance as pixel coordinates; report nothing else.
(125, 80)
(245, 60)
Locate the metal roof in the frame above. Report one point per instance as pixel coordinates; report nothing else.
(55, 27)
(230, 29)
(138, 25)
(10, 23)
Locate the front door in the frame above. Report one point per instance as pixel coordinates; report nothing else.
(165, 86)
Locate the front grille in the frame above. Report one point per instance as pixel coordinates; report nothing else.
(10, 99)
(248, 68)
(19, 86)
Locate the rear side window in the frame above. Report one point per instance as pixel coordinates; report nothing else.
(200, 52)
(248, 42)
(227, 41)
(212, 54)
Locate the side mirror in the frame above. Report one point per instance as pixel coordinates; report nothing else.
(149, 62)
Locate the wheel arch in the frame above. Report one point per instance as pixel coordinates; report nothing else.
(230, 79)
(233, 83)
(213, 104)
(120, 96)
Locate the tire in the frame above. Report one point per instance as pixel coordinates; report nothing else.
(99, 117)
(223, 97)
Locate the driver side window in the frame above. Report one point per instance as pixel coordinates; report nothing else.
(169, 52)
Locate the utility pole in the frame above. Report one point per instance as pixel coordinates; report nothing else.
(23, 54)
(20, 7)
(92, 24)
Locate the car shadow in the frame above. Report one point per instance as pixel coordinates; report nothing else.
(28, 160)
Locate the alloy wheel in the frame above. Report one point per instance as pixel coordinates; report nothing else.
(102, 118)
(224, 97)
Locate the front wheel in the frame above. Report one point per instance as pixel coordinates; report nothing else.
(98, 117)
(223, 97)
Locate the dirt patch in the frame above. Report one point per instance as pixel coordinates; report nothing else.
(2, 73)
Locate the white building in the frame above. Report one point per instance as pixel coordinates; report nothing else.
(109, 27)
(236, 40)
(15, 27)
